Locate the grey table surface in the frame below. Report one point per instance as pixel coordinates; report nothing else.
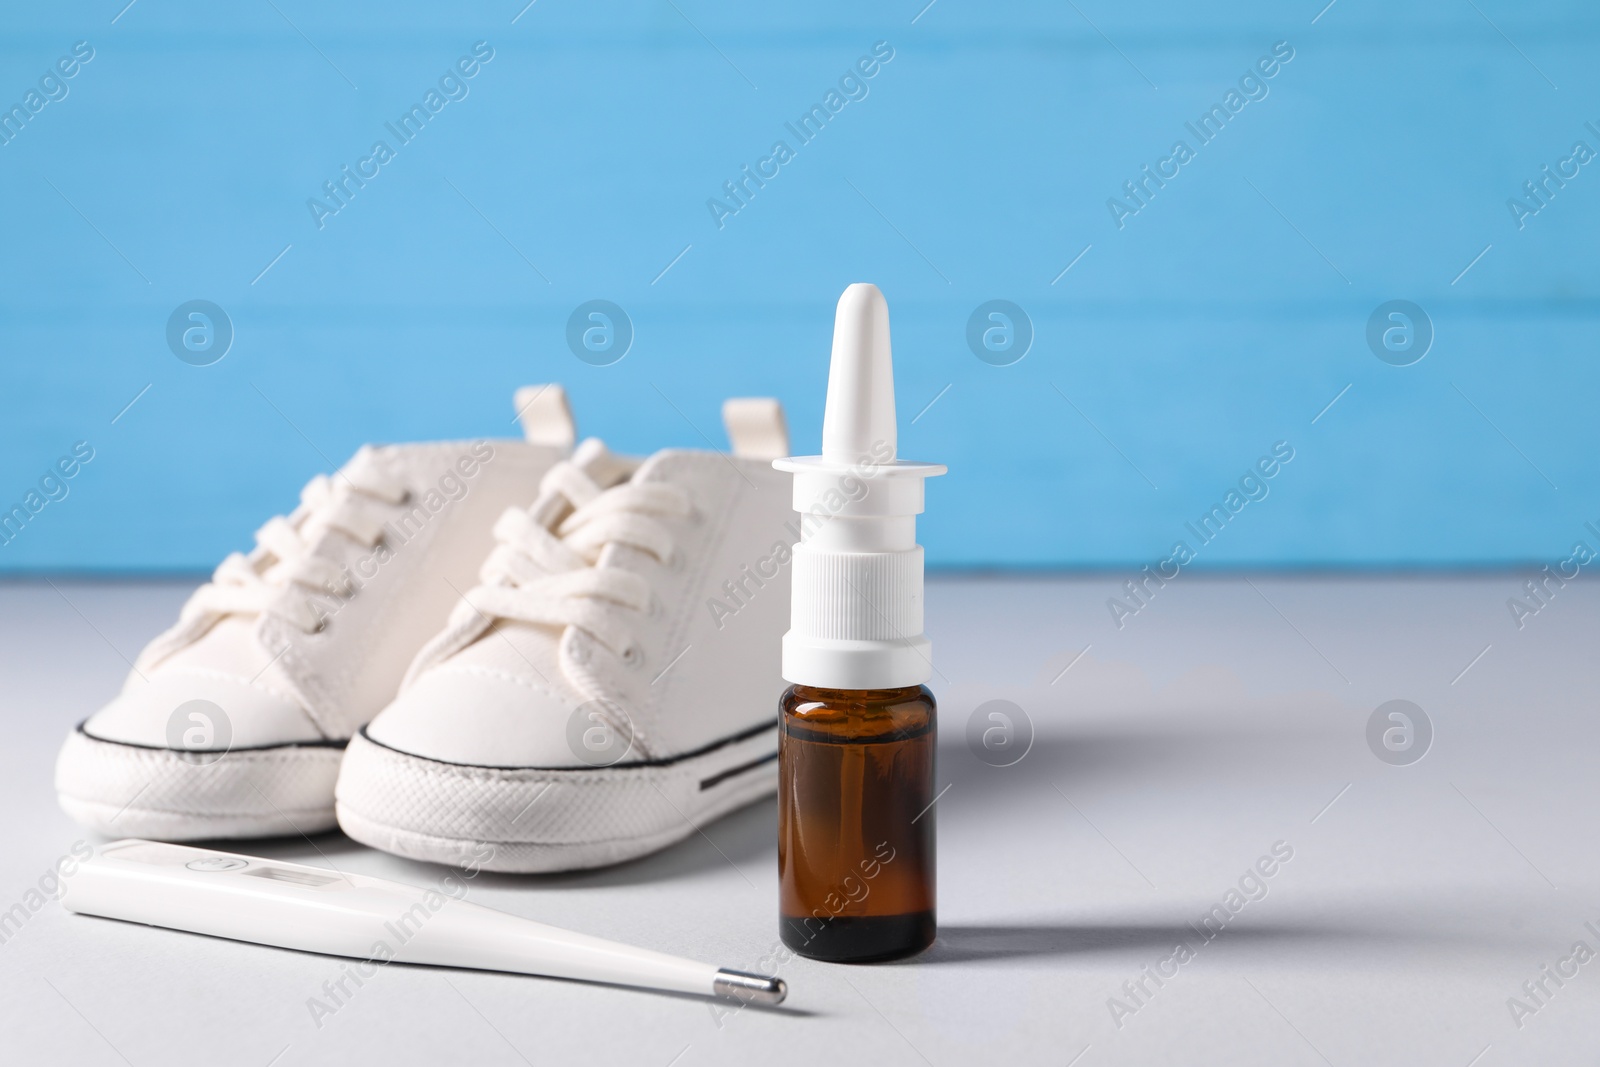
(1228, 717)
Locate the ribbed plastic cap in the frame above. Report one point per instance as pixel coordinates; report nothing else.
(856, 616)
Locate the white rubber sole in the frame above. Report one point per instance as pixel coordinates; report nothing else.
(544, 819)
(130, 791)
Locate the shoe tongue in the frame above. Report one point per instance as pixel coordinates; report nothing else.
(604, 466)
(529, 649)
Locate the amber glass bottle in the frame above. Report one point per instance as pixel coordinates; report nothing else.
(856, 822)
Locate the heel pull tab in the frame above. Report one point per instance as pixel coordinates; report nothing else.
(545, 416)
(756, 427)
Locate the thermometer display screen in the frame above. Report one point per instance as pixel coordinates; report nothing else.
(279, 874)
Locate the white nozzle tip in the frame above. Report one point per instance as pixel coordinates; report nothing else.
(859, 417)
(857, 293)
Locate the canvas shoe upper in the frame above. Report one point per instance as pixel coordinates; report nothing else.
(233, 722)
(611, 681)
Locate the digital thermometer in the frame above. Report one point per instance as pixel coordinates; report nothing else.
(289, 905)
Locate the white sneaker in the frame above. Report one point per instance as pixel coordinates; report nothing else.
(611, 684)
(233, 722)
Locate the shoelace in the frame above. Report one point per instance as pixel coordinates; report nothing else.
(266, 581)
(551, 578)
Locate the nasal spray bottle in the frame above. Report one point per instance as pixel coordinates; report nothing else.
(856, 732)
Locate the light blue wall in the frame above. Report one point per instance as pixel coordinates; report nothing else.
(1220, 319)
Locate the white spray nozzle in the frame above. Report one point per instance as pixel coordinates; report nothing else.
(856, 614)
(859, 417)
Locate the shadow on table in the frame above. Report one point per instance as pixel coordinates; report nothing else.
(958, 944)
(962, 944)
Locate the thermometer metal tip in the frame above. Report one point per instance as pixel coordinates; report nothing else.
(749, 988)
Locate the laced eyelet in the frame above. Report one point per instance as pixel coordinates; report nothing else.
(405, 498)
(322, 624)
(633, 656)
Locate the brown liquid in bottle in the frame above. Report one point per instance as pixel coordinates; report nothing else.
(855, 822)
